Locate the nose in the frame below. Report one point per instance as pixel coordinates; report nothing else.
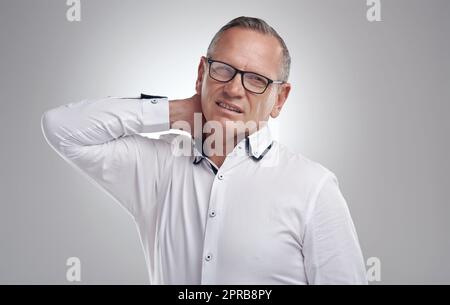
(234, 87)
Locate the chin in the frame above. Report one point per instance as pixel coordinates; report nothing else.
(221, 120)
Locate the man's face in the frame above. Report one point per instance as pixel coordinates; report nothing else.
(250, 51)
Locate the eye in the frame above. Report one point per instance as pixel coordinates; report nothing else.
(256, 80)
(222, 69)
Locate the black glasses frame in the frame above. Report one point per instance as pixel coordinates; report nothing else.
(242, 73)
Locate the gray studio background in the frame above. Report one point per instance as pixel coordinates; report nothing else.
(370, 101)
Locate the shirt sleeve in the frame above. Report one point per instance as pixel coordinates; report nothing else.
(331, 250)
(101, 139)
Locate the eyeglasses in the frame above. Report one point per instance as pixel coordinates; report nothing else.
(253, 82)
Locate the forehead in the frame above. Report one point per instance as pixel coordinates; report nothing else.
(250, 51)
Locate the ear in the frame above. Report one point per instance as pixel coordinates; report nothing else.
(282, 95)
(200, 73)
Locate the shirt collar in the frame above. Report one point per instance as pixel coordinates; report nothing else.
(257, 145)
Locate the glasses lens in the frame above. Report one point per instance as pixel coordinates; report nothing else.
(252, 82)
(255, 82)
(221, 72)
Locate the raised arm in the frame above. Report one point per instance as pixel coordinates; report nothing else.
(100, 138)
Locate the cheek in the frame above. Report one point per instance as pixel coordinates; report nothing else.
(261, 109)
(270, 102)
(208, 89)
(207, 100)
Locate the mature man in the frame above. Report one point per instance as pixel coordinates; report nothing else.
(241, 208)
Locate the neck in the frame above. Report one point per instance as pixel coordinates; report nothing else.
(217, 149)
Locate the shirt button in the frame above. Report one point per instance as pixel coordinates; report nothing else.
(154, 101)
(212, 213)
(208, 257)
(220, 176)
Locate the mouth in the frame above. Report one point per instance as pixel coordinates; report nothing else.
(229, 107)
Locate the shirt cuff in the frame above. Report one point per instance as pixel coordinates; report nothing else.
(155, 114)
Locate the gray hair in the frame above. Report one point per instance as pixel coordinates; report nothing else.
(260, 26)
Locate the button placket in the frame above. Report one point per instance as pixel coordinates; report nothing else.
(212, 233)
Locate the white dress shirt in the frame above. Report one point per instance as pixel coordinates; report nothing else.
(266, 216)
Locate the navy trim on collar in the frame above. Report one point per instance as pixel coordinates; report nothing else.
(198, 159)
(247, 143)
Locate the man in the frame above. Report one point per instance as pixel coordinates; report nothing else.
(241, 208)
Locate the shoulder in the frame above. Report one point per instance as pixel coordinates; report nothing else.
(302, 167)
(300, 173)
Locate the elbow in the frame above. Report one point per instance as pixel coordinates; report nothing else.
(49, 126)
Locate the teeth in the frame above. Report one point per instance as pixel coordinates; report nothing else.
(226, 106)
